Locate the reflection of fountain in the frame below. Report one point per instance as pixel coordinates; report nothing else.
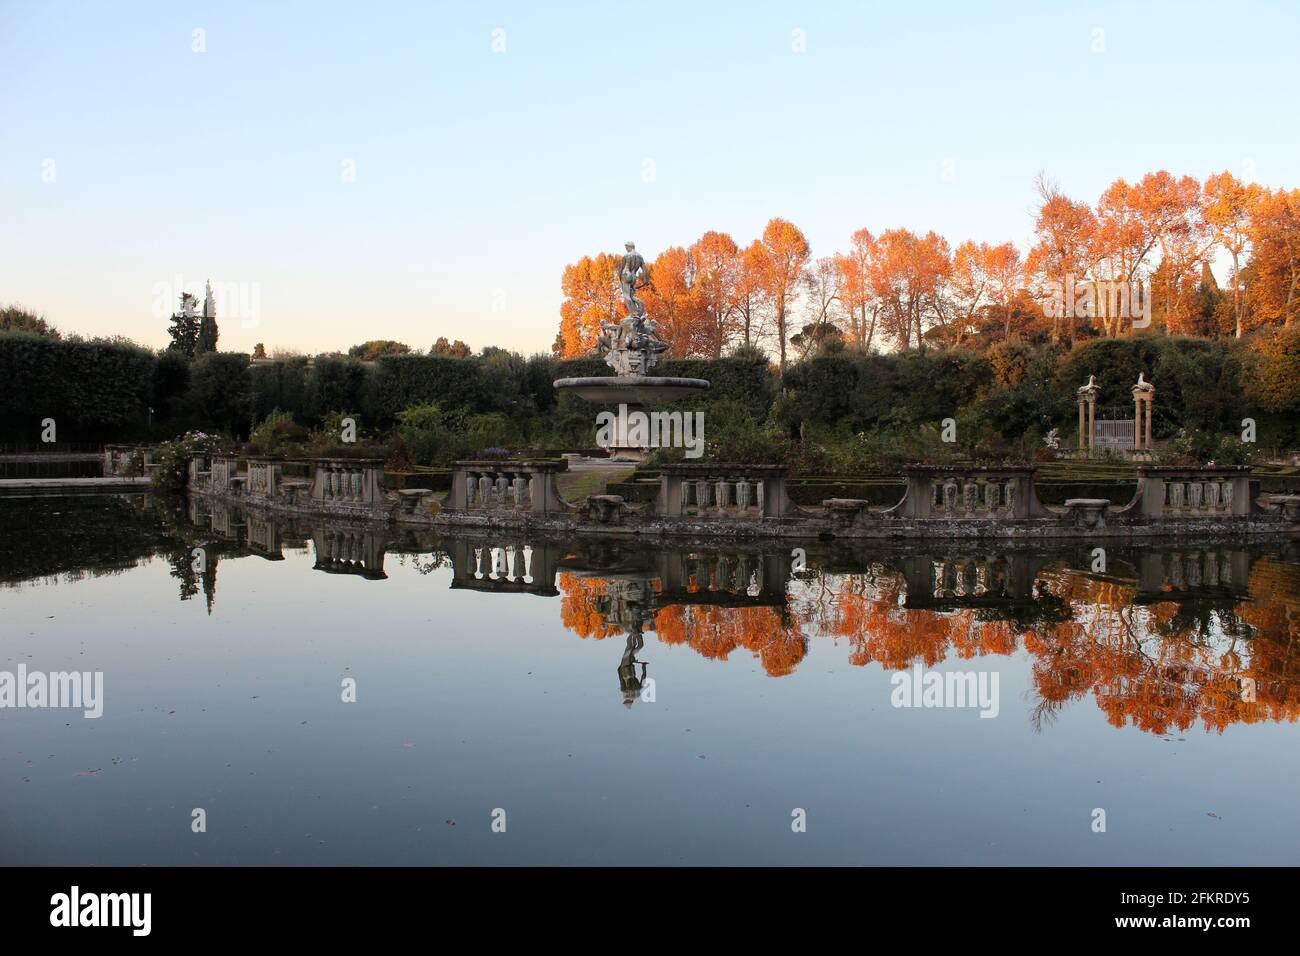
(633, 591)
(629, 603)
(631, 347)
(628, 681)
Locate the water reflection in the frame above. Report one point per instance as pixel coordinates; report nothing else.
(1161, 638)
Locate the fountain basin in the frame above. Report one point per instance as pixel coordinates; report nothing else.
(632, 389)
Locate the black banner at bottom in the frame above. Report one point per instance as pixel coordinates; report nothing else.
(332, 905)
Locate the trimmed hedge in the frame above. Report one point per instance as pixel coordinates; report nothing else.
(90, 389)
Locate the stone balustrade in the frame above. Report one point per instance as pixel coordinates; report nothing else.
(264, 476)
(224, 470)
(1177, 492)
(506, 486)
(723, 491)
(352, 483)
(972, 492)
(704, 499)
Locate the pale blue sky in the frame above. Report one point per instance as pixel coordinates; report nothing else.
(479, 174)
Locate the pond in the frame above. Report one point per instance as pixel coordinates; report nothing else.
(287, 691)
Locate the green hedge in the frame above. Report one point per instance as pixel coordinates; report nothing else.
(92, 389)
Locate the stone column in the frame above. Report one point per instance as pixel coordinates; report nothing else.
(1083, 439)
(1137, 422)
(1092, 424)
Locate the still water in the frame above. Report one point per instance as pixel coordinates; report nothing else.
(524, 701)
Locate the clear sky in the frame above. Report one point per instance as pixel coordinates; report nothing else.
(129, 159)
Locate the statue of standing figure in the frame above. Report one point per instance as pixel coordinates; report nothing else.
(631, 346)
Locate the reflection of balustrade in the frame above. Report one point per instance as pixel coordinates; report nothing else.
(723, 491)
(226, 521)
(1193, 573)
(348, 482)
(490, 486)
(726, 578)
(511, 567)
(200, 476)
(971, 580)
(349, 551)
(1173, 492)
(966, 493)
(264, 537)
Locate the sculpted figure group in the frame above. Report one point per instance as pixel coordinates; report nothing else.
(631, 346)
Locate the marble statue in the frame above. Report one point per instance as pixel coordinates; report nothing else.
(632, 345)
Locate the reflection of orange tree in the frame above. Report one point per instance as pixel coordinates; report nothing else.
(1275, 611)
(865, 609)
(716, 631)
(1148, 674)
(580, 606)
(1157, 667)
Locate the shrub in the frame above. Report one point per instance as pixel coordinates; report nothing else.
(173, 458)
(277, 434)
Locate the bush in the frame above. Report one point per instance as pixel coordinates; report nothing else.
(173, 458)
(277, 434)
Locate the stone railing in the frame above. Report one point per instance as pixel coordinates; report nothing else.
(353, 483)
(264, 475)
(963, 493)
(723, 491)
(506, 486)
(1176, 492)
(224, 473)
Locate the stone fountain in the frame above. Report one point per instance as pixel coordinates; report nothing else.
(631, 347)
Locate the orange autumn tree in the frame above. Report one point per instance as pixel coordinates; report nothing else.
(591, 295)
(904, 290)
(782, 263)
(750, 297)
(1228, 206)
(675, 302)
(1274, 288)
(910, 277)
(857, 295)
(719, 270)
(1064, 232)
